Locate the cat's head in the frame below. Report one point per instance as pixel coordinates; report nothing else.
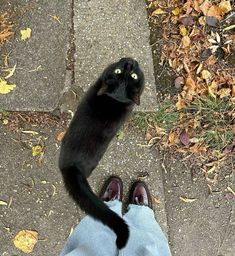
(123, 81)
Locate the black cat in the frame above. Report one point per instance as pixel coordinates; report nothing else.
(100, 114)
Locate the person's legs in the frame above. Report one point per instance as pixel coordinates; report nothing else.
(146, 236)
(91, 237)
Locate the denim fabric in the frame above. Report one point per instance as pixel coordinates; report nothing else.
(92, 238)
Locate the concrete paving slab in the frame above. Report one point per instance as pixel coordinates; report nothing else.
(40, 74)
(203, 227)
(108, 30)
(39, 200)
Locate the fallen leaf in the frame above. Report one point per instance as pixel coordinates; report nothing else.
(204, 7)
(205, 54)
(25, 33)
(202, 20)
(224, 92)
(120, 134)
(25, 240)
(11, 72)
(3, 203)
(225, 6)
(190, 83)
(179, 81)
(155, 199)
(158, 11)
(187, 21)
(5, 87)
(214, 11)
(184, 138)
(176, 11)
(205, 74)
(60, 136)
(229, 27)
(36, 150)
(180, 104)
(186, 41)
(183, 30)
(173, 138)
(212, 21)
(187, 200)
(233, 91)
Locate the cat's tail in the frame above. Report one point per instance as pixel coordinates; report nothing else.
(81, 192)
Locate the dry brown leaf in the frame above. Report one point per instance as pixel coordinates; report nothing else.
(225, 6)
(233, 90)
(180, 104)
(190, 83)
(179, 82)
(204, 7)
(25, 240)
(184, 138)
(155, 199)
(173, 138)
(214, 11)
(60, 136)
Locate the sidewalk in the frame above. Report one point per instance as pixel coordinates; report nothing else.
(71, 43)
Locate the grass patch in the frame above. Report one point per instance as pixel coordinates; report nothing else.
(166, 116)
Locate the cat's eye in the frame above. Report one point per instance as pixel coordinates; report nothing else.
(117, 71)
(134, 76)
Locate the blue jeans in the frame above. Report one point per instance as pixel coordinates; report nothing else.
(92, 238)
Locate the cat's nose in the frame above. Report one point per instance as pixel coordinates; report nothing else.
(129, 64)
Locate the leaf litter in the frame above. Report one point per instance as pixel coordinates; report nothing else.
(198, 45)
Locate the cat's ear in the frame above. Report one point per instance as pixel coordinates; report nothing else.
(136, 98)
(103, 89)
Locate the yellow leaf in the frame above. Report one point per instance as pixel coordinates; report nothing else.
(225, 6)
(186, 41)
(25, 33)
(173, 138)
(180, 104)
(5, 87)
(205, 74)
(11, 72)
(224, 92)
(3, 203)
(187, 200)
(183, 30)
(202, 20)
(36, 150)
(199, 68)
(211, 92)
(158, 11)
(176, 11)
(25, 240)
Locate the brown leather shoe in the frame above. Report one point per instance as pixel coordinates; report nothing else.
(112, 189)
(140, 195)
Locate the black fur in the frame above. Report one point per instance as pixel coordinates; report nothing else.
(100, 114)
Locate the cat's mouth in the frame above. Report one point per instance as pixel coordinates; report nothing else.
(120, 98)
